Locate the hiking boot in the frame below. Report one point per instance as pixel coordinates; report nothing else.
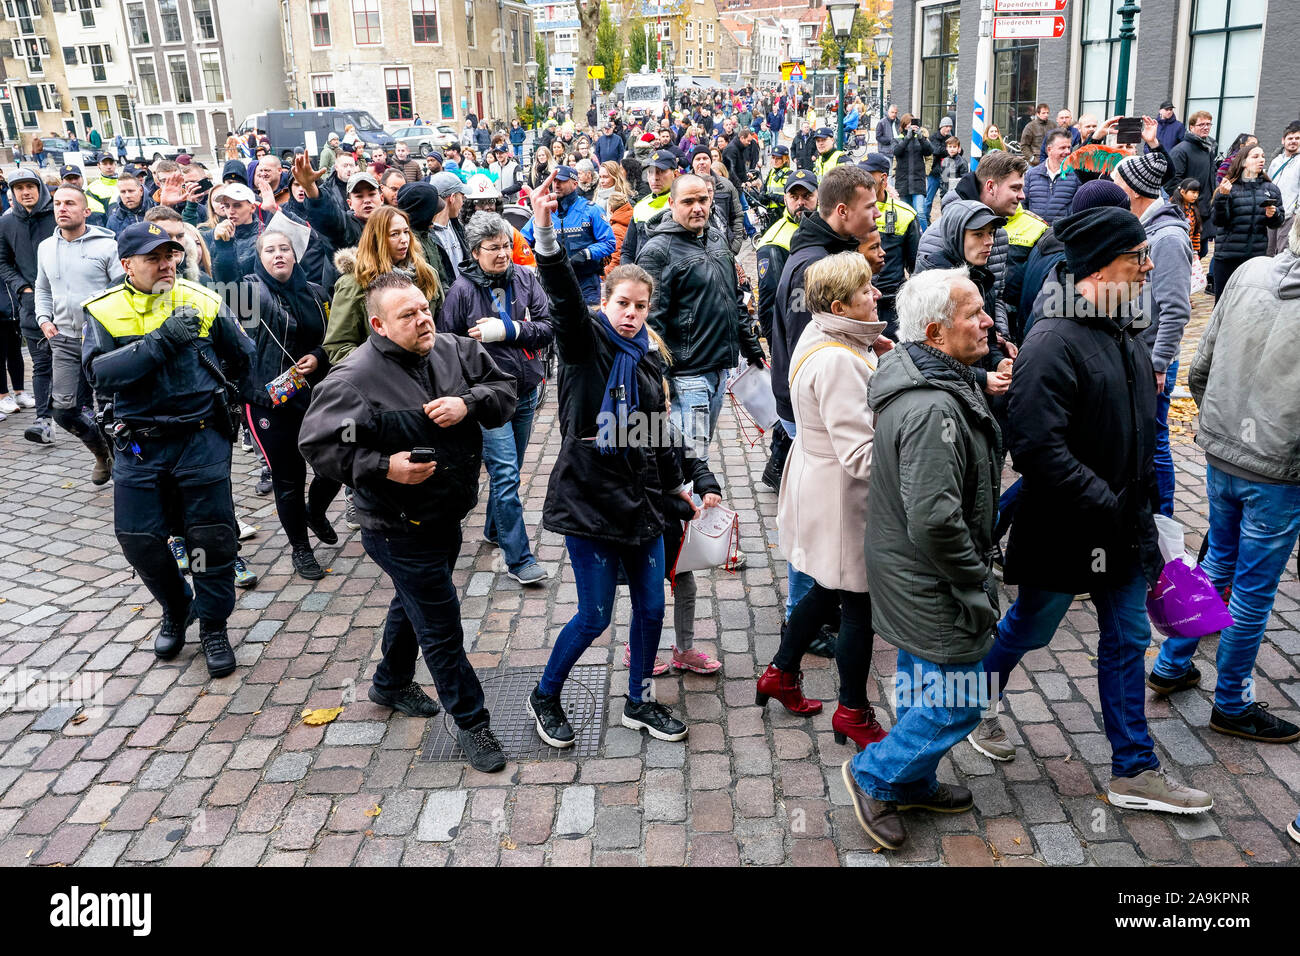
(40, 431)
(654, 717)
(411, 700)
(1153, 790)
(171, 633)
(320, 526)
(1167, 685)
(180, 553)
(552, 724)
(103, 470)
(991, 740)
(530, 575)
(947, 798)
(216, 648)
(1256, 723)
(244, 578)
(823, 645)
(264, 482)
(879, 818)
(305, 563)
(482, 749)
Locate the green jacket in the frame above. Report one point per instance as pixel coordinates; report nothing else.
(935, 476)
(326, 158)
(349, 325)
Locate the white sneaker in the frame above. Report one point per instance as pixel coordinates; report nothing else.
(7, 405)
(246, 531)
(25, 400)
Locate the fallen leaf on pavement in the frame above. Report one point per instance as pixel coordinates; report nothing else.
(80, 718)
(507, 843)
(1017, 839)
(374, 811)
(321, 715)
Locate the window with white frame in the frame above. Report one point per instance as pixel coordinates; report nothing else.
(147, 70)
(366, 29)
(170, 18)
(708, 32)
(123, 106)
(424, 21)
(690, 58)
(95, 57)
(178, 69)
(210, 67)
(157, 125)
(137, 24)
(189, 129)
(205, 25)
(397, 90)
(105, 116)
(322, 90)
(320, 22)
(690, 30)
(87, 8)
(446, 95)
(708, 59)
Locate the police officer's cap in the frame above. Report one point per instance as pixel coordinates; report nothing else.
(663, 159)
(876, 163)
(780, 150)
(66, 171)
(803, 179)
(142, 238)
(824, 132)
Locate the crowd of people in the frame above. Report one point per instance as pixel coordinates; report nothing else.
(376, 326)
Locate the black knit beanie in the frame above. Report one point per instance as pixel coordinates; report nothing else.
(1095, 237)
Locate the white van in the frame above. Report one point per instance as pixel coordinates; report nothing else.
(645, 94)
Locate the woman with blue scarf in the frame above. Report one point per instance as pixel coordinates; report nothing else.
(615, 460)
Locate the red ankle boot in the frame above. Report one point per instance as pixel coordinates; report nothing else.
(860, 726)
(785, 688)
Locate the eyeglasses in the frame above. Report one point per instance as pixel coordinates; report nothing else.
(495, 249)
(1141, 255)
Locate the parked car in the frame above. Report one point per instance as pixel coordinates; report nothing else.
(55, 147)
(287, 129)
(147, 149)
(425, 139)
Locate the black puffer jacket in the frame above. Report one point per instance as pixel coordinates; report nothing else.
(1240, 220)
(1082, 413)
(813, 240)
(614, 498)
(270, 322)
(910, 150)
(20, 233)
(697, 307)
(371, 406)
(473, 297)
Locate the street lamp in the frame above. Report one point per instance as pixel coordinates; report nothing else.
(530, 70)
(842, 13)
(130, 96)
(670, 65)
(882, 43)
(1128, 12)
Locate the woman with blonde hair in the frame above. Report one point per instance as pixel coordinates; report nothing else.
(822, 508)
(611, 179)
(386, 245)
(543, 165)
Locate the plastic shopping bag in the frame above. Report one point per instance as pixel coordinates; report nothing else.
(1183, 602)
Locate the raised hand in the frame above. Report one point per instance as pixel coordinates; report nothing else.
(305, 176)
(544, 201)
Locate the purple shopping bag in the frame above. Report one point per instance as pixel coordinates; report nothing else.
(1183, 602)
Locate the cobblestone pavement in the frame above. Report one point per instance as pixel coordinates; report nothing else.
(183, 770)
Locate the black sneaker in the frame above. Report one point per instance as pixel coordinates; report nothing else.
(482, 749)
(652, 716)
(305, 563)
(823, 645)
(411, 700)
(1167, 685)
(264, 482)
(552, 725)
(216, 648)
(1255, 724)
(320, 526)
(171, 633)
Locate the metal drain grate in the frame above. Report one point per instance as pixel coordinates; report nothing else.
(506, 693)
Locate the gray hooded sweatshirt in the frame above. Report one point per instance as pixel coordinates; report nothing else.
(69, 273)
(1167, 296)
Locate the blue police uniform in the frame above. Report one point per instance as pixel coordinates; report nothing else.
(586, 235)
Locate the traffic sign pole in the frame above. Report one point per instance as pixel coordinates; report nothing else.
(980, 100)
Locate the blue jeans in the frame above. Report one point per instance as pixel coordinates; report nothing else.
(503, 454)
(696, 405)
(1164, 457)
(1007, 509)
(424, 616)
(1121, 677)
(797, 583)
(932, 185)
(917, 202)
(1253, 527)
(931, 716)
(595, 572)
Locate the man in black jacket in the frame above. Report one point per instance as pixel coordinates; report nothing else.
(1083, 405)
(408, 393)
(697, 308)
(29, 222)
(802, 147)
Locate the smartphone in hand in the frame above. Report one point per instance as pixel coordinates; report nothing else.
(1129, 131)
(421, 456)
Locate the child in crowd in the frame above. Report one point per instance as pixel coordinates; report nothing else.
(1187, 193)
(953, 166)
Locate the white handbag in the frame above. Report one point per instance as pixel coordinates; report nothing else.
(750, 389)
(711, 540)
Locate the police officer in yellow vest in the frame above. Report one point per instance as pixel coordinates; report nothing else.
(661, 169)
(1024, 229)
(828, 157)
(774, 181)
(900, 236)
(773, 250)
(168, 363)
(104, 189)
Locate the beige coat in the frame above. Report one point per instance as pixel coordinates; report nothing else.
(822, 510)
